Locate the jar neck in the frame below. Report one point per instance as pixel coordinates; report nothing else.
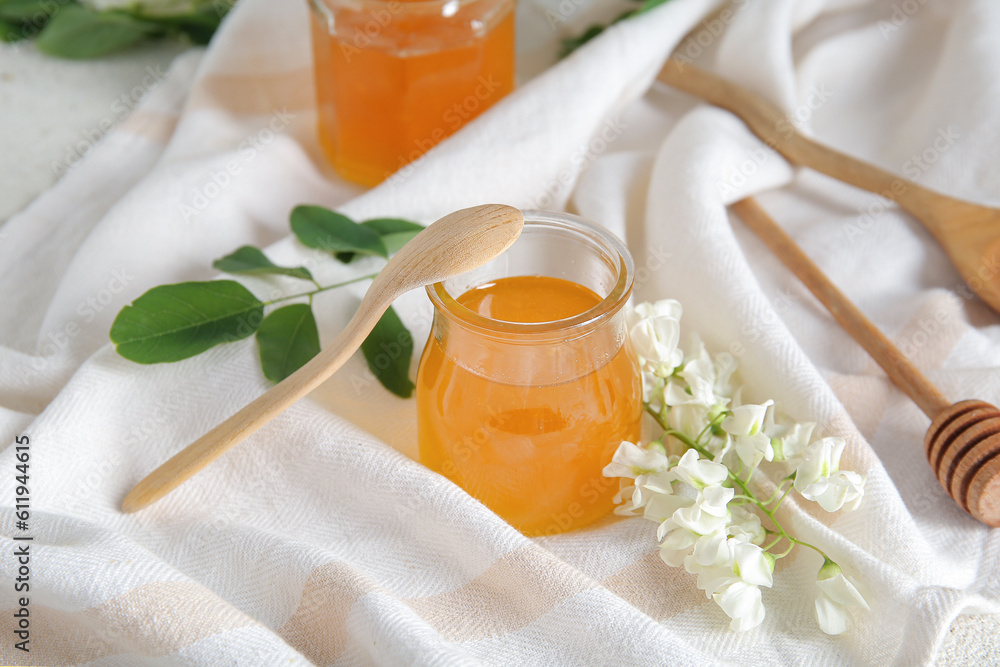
(552, 246)
(546, 357)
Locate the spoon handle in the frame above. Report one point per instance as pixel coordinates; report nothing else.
(261, 410)
(776, 130)
(900, 370)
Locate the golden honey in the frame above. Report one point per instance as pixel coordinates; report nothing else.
(394, 78)
(525, 389)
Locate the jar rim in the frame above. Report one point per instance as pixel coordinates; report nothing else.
(408, 6)
(601, 239)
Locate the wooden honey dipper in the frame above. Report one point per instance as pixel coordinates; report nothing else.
(963, 441)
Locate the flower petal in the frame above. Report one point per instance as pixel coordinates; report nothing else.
(630, 460)
(842, 592)
(699, 473)
(742, 603)
(751, 564)
(832, 618)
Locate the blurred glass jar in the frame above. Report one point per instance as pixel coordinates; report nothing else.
(395, 77)
(524, 415)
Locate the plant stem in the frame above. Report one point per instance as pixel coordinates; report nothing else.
(319, 289)
(744, 487)
(785, 495)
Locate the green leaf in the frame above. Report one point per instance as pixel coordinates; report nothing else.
(651, 4)
(251, 261)
(571, 44)
(287, 338)
(174, 322)
(12, 32)
(388, 350)
(198, 24)
(317, 227)
(387, 226)
(76, 32)
(395, 232)
(34, 11)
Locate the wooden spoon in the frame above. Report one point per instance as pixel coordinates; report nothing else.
(963, 441)
(456, 243)
(969, 233)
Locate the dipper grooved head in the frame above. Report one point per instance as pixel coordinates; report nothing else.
(963, 449)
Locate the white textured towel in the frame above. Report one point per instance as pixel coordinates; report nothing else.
(319, 540)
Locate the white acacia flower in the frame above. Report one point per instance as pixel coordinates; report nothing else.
(647, 466)
(699, 374)
(702, 521)
(725, 374)
(792, 440)
(836, 594)
(713, 578)
(746, 420)
(752, 449)
(631, 461)
(713, 548)
(688, 418)
(745, 525)
(689, 497)
(662, 506)
(699, 473)
(751, 565)
(745, 425)
(843, 489)
(732, 578)
(652, 391)
(625, 490)
(713, 563)
(742, 603)
(655, 331)
(650, 487)
(709, 512)
(821, 459)
(675, 542)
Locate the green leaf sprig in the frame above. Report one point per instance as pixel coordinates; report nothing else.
(73, 29)
(181, 320)
(571, 44)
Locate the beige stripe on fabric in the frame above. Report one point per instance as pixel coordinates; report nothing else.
(933, 331)
(655, 588)
(154, 126)
(255, 94)
(317, 629)
(927, 339)
(152, 620)
(516, 590)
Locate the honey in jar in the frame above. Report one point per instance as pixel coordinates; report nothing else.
(395, 77)
(527, 384)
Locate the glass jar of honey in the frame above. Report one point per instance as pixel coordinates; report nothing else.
(395, 77)
(528, 384)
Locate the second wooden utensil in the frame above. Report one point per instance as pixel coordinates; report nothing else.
(969, 233)
(963, 441)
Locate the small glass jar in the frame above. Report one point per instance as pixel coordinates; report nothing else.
(395, 77)
(525, 416)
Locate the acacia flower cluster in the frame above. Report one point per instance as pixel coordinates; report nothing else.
(698, 482)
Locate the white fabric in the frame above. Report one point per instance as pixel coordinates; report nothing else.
(318, 541)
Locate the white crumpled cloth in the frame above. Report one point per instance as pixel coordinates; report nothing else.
(320, 540)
